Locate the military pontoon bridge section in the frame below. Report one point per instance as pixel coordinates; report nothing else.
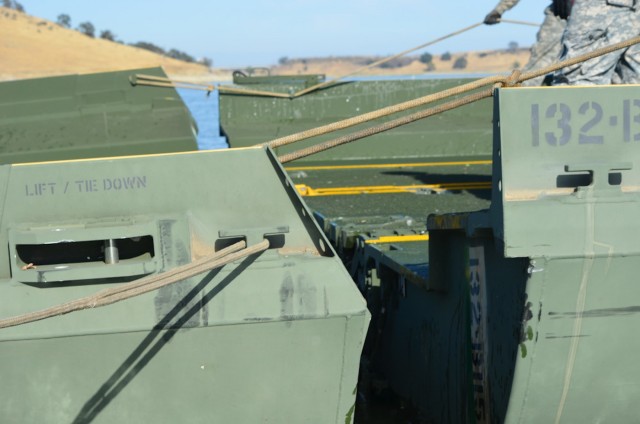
(94, 115)
(510, 296)
(272, 336)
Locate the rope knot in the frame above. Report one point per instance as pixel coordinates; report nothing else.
(512, 80)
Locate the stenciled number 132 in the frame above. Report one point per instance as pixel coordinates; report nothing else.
(591, 119)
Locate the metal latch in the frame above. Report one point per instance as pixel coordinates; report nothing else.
(254, 235)
(604, 182)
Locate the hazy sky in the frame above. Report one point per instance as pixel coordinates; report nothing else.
(237, 33)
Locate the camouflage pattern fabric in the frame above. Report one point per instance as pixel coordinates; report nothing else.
(548, 45)
(505, 5)
(598, 23)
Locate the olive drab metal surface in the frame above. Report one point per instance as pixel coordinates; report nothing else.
(372, 198)
(548, 272)
(248, 120)
(579, 173)
(93, 115)
(275, 337)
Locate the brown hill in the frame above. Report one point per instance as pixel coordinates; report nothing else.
(493, 61)
(34, 47)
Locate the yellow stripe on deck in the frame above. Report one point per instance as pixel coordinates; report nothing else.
(305, 190)
(387, 165)
(398, 239)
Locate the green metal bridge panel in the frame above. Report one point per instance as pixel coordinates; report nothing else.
(381, 210)
(418, 341)
(426, 171)
(287, 84)
(580, 364)
(568, 165)
(243, 373)
(234, 345)
(393, 204)
(548, 331)
(489, 295)
(95, 115)
(248, 120)
(553, 344)
(526, 308)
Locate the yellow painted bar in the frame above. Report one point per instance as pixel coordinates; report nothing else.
(387, 165)
(398, 239)
(305, 190)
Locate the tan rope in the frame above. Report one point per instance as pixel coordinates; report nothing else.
(143, 77)
(154, 81)
(150, 79)
(237, 90)
(171, 85)
(142, 285)
(511, 21)
(578, 59)
(384, 127)
(386, 111)
(437, 40)
(379, 62)
(514, 79)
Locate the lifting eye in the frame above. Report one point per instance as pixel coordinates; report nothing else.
(67, 252)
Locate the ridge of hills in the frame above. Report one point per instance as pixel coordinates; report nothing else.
(477, 62)
(32, 47)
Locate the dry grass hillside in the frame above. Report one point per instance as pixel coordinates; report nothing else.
(476, 62)
(33, 47)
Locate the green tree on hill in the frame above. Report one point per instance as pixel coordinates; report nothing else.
(64, 20)
(460, 63)
(206, 61)
(107, 35)
(397, 62)
(445, 56)
(180, 55)
(149, 46)
(87, 29)
(12, 4)
(426, 58)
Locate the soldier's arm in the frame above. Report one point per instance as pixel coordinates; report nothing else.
(494, 16)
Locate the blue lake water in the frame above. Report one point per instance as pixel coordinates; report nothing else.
(205, 112)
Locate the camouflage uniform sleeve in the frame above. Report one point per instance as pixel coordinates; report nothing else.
(504, 5)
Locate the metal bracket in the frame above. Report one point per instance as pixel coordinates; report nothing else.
(253, 235)
(600, 185)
